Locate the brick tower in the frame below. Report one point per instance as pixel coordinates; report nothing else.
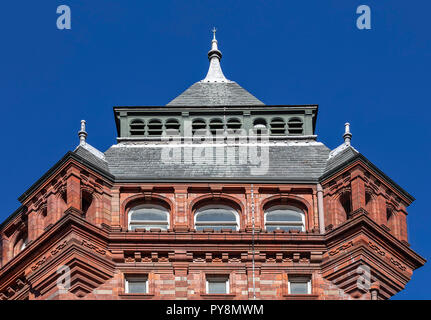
(213, 196)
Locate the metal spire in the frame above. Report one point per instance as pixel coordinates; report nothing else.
(347, 135)
(82, 134)
(215, 74)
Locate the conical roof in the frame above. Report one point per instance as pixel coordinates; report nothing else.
(215, 89)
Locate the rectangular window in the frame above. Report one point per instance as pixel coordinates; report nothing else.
(217, 284)
(299, 285)
(137, 284)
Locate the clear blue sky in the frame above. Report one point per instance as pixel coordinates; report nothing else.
(284, 52)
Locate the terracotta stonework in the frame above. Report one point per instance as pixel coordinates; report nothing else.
(101, 251)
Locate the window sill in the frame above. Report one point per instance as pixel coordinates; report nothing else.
(218, 296)
(136, 296)
(301, 296)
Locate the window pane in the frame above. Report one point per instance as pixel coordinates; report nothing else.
(215, 227)
(149, 214)
(283, 215)
(137, 286)
(298, 287)
(148, 226)
(217, 286)
(215, 215)
(285, 228)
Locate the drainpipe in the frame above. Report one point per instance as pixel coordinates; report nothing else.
(320, 208)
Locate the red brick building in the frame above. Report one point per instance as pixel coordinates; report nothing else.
(213, 196)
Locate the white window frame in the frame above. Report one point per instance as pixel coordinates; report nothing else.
(299, 279)
(226, 278)
(217, 223)
(146, 224)
(285, 223)
(142, 278)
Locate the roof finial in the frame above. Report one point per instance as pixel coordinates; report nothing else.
(82, 134)
(347, 135)
(215, 74)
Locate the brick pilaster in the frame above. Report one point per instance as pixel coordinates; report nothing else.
(73, 188)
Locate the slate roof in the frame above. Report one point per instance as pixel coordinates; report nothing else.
(285, 162)
(338, 157)
(92, 158)
(215, 94)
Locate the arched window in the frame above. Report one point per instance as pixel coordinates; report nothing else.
(346, 203)
(148, 216)
(390, 218)
(278, 126)
(295, 126)
(216, 126)
(198, 124)
(173, 126)
(233, 124)
(216, 217)
(154, 127)
(284, 217)
(259, 126)
(389, 215)
(137, 128)
(86, 201)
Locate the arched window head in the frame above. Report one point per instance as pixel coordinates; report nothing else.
(278, 126)
(148, 216)
(199, 125)
(216, 126)
(216, 217)
(155, 127)
(295, 126)
(284, 217)
(259, 126)
(137, 127)
(172, 126)
(233, 124)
